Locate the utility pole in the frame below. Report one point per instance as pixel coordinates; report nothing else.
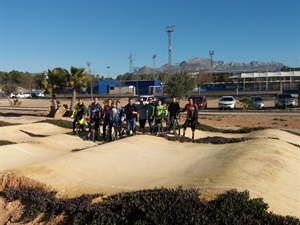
(169, 31)
(211, 53)
(89, 69)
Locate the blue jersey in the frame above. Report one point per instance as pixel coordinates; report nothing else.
(116, 115)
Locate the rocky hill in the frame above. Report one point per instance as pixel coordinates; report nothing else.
(204, 64)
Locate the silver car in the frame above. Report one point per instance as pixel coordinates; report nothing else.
(227, 102)
(284, 100)
(257, 102)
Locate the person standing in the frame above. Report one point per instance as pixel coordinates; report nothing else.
(150, 114)
(106, 118)
(116, 116)
(79, 113)
(173, 110)
(191, 116)
(142, 112)
(160, 112)
(131, 113)
(94, 114)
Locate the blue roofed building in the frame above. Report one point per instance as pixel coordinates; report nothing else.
(134, 87)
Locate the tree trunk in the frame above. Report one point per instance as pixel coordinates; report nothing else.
(73, 100)
(54, 106)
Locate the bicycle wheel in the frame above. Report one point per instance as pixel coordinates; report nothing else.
(93, 134)
(106, 139)
(114, 134)
(77, 129)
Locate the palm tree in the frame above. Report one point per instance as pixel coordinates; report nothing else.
(76, 79)
(54, 83)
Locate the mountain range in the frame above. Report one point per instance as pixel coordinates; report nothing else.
(205, 64)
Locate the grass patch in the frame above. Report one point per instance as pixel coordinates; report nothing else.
(244, 130)
(60, 123)
(5, 142)
(4, 124)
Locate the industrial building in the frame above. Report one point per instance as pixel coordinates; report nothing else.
(133, 87)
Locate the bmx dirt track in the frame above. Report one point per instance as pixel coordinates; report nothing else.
(268, 165)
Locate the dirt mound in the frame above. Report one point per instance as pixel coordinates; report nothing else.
(268, 168)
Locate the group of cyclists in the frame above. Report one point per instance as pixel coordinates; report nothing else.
(112, 116)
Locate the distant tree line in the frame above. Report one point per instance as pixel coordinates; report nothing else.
(59, 80)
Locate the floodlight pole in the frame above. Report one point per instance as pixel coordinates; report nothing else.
(108, 67)
(170, 29)
(89, 69)
(211, 53)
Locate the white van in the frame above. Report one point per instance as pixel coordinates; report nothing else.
(145, 98)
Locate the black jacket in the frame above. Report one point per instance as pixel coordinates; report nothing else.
(128, 109)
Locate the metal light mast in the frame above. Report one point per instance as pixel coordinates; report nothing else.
(169, 30)
(130, 62)
(90, 74)
(211, 53)
(108, 67)
(153, 58)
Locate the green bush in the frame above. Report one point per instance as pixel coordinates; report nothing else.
(246, 102)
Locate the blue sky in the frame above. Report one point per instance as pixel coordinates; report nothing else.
(37, 35)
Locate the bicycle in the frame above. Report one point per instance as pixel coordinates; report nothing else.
(158, 128)
(93, 134)
(118, 131)
(80, 127)
(107, 133)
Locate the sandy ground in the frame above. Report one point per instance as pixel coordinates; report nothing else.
(267, 165)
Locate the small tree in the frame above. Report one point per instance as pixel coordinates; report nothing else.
(180, 84)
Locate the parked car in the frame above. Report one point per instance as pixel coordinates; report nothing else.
(41, 94)
(23, 95)
(257, 102)
(20, 95)
(284, 100)
(145, 98)
(13, 95)
(200, 101)
(227, 102)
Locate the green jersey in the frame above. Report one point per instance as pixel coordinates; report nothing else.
(160, 112)
(150, 110)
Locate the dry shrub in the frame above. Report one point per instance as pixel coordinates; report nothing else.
(10, 179)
